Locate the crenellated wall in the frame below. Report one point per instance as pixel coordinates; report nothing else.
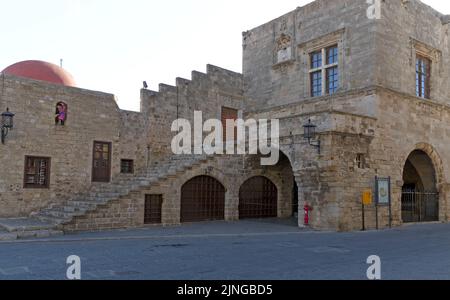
(205, 92)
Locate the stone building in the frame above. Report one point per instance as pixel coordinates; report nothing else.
(377, 91)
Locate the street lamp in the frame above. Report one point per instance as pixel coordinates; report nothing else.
(7, 123)
(310, 134)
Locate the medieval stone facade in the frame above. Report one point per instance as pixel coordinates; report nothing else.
(356, 78)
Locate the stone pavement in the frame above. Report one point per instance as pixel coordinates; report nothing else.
(272, 249)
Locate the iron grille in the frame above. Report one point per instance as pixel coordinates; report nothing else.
(420, 206)
(202, 199)
(258, 198)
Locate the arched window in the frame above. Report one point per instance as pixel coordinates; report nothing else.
(61, 113)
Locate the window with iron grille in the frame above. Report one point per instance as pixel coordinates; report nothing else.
(361, 161)
(423, 68)
(127, 166)
(324, 71)
(37, 172)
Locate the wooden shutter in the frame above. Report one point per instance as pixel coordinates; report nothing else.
(228, 114)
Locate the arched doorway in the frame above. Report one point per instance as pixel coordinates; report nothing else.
(420, 197)
(202, 199)
(258, 198)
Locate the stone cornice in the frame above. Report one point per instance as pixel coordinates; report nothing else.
(374, 89)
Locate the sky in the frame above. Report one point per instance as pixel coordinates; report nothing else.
(114, 45)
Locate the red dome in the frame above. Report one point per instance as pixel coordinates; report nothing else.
(41, 70)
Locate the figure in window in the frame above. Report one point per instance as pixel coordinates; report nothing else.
(61, 113)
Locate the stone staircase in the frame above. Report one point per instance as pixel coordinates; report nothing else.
(49, 221)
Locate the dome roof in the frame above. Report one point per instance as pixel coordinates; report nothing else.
(41, 70)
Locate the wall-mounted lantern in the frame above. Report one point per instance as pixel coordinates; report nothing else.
(7, 123)
(310, 134)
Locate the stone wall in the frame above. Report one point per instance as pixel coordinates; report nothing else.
(319, 24)
(92, 116)
(231, 172)
(133, 142)
(207, 93)
(407, 26)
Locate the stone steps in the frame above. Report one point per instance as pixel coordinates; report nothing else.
(101, 194)
(21, 228)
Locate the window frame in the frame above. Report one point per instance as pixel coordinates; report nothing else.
(128, 161)
(423, 88)
(47, 175)
(225, 113)
(324, 68)
(360, 161)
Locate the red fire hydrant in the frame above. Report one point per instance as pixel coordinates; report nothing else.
(307, 209)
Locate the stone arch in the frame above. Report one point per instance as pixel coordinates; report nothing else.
(258, 198)
(435, 159)
(287, 151)
(422, 198)
(202, 199)
(282, 175)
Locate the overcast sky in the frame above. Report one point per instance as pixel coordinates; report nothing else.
(113, 45)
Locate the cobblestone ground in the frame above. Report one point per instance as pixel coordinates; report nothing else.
(240, 250)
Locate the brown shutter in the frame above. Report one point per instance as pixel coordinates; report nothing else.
(228, 114)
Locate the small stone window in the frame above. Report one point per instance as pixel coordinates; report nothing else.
(61, 113)
(37, 172)
(360, 161)
(127, 166)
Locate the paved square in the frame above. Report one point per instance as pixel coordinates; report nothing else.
(245, 250)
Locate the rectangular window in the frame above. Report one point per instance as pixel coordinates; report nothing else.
(361, 161)
(332, 80)
(316, 60)
(37, 172)
(332, 55)
(324, 71)
(153, 209)
(127, 166)
(316, 84)
(423, 68)
(229, 114)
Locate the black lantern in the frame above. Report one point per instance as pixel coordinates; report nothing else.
(310, 134)
(7, 123)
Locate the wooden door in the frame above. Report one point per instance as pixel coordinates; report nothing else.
(101, 165)
(153, 209)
